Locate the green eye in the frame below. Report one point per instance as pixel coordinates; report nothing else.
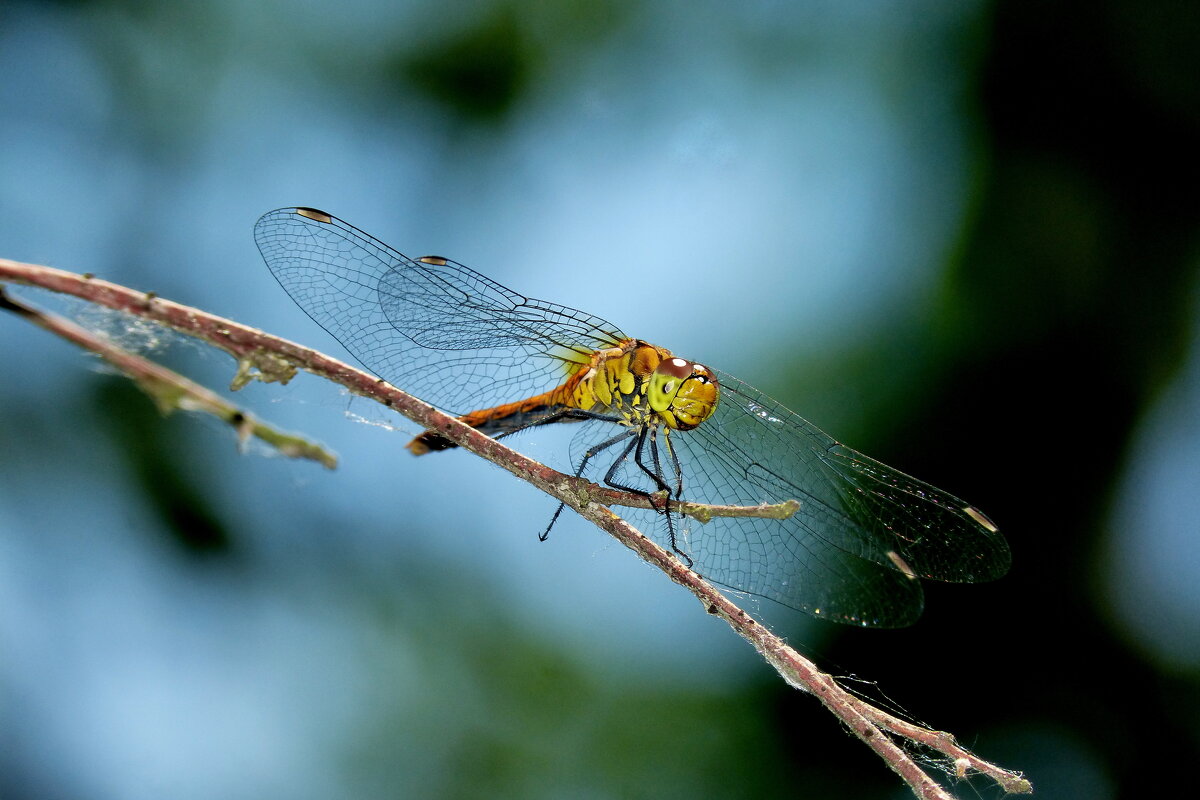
(661, 391)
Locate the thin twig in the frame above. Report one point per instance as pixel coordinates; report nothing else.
(269, 358)
(965, 761)
(168, 389)
(701, 512)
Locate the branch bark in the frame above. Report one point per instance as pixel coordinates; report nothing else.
(268, 358)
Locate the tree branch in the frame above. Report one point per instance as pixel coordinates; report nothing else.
(169, 390)
(264, 357)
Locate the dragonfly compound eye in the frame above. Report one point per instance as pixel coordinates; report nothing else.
(684, 392)
(696, 398)
(665, 381)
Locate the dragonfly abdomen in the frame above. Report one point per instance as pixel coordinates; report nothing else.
(495, 421)
(575, 393)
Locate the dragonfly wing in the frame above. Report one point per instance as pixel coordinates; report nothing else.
(765, 557)
(441, 331)
(790, 561)
(863, 535)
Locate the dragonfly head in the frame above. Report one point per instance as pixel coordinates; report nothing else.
(685, 394)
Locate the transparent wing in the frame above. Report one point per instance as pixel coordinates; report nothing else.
(441, 331)
(863, 535)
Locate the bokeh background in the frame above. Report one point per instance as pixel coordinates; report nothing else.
(961, 237)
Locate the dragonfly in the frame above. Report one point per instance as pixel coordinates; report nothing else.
(650, 422)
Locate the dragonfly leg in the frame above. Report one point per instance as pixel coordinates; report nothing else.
(675, 464)
(658, 477)
(610, 476)
(593, 451)
(656, 473)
